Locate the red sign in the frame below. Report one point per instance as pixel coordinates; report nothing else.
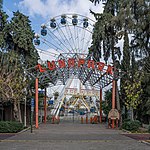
(72, 63)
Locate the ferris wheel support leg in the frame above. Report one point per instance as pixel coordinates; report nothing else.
(36, 103)
(113, 100)
(45, 108)
(100, 105)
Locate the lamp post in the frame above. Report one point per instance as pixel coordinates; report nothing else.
(32, 110)
(36, 103)
(73, 114)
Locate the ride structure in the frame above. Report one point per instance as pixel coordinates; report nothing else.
(65, 40)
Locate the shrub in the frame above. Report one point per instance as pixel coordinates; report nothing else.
(49, 118)
(10, 127)
(131, 125)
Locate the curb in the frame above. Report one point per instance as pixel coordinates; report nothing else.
(126, 131)
(24, 130)
(146, 142)
(129, 132)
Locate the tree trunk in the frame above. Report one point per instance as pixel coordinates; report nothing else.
(117, 98)
(132, 115)
(17, 112)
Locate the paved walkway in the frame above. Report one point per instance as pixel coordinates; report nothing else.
(69, 136)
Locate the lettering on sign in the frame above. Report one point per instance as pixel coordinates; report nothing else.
(71, 91)
(89, 92)
(72, 63)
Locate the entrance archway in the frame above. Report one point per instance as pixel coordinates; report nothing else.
(69, 58)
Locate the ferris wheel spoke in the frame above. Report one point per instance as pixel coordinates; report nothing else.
(82, 40)
(87, 42)
(48, 43)
(58, 41)
(78, 40)
(55, 48)
(79, 32)
(71, 36)
(66, 39)
(75, 38)
(46, 52)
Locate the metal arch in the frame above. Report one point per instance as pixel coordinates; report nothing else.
(92, 77)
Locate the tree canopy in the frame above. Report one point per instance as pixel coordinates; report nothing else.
(17, 53)
(127, 21)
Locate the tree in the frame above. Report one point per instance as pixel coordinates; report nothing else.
(1, 4)
(126, 19)
(20, 39)
(144, 108)
(12, 82)
(125, 67)
(107, 105)
(106, 33)
(17, 54)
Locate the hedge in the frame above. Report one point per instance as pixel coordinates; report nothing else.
(131, 125)
(10, 126)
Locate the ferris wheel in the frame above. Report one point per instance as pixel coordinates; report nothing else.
(66, 34)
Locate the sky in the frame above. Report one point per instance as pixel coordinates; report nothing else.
(39, 11)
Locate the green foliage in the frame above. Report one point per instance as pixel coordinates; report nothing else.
(132, 126)
(119, 20)
(3, 23)
(10, 127)
(149, 128)
(126, 16)
(49, 118)
(107, 103)
(19, 38)
(133, 92)
(1, 4)
(17, 53)
(144, 108)
(107, 32)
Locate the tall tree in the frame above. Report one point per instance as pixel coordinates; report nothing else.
(20, 37)
(129, 19)
(18, 53)
(125, 67)
(106, 32)
(143, 110)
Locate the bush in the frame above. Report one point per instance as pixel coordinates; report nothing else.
(131, 125)
(49, 118)
(10, 127)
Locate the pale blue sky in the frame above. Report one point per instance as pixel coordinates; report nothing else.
(40, 11)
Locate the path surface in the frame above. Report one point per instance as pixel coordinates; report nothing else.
(69, 136)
